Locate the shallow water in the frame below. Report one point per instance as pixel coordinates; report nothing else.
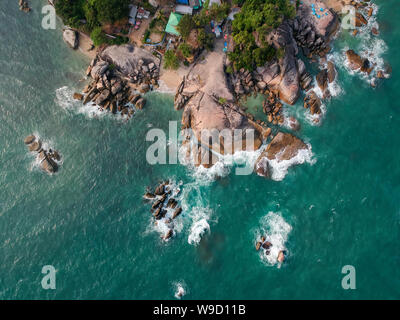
(89, 220)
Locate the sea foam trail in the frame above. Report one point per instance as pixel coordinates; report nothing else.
(275, 230)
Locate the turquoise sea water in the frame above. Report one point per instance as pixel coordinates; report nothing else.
(89, 220)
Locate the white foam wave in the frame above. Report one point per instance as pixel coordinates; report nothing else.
(64, 98)
(199, 226)
(242, 161)
(180, 289)
(280, 168)
(276, 230)
(368, 46)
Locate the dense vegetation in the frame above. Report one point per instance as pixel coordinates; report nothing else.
(89, 15)
(171, 61)
(256, 19)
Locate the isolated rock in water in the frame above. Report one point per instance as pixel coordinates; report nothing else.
(284, 146)
(71, 38)
(360, 20)
(294, 124)
(29, 139)
(313, 102)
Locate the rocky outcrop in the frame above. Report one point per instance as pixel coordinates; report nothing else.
(137, 64)
(119, 73)
(284, 146)
(23, 6)
(71, 38)
(265, 246)
(312, 102)
(357, 63)
(287, 75)
(164, 207)
(210, 107)
(272, 107)
(48, 159)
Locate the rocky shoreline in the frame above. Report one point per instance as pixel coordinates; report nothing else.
(120, 74)
(210, 95)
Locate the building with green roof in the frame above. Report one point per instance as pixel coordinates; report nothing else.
(173, 22)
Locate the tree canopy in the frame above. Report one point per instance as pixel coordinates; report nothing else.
(257, 18)
(95, 12)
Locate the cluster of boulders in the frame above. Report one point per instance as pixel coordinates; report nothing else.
(357, 63)
(360, 19)
(272, 107)
(119, 74)
(308, 39)
(265, 245)
(244, 83)
(48, 158)
(312, 102)
(111, 93)
(165, 208)
(139, 67)
(24, 6)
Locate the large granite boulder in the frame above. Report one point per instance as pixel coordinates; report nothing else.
(71, 38)
(283, 147)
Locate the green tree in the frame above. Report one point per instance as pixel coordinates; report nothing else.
(98, 37)
(171, 60)
(250, 28)
(185, 49)
(185, 25)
